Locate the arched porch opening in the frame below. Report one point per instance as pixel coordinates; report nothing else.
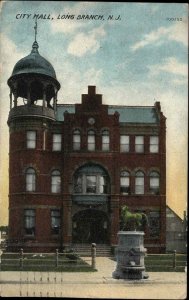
(90, 226)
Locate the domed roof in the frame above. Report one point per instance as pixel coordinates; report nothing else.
(34, 63)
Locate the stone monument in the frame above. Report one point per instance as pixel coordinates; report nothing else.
(130, 251)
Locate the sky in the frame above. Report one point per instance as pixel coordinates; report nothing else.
(135, 54)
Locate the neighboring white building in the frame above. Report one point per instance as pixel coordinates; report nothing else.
(176, 232)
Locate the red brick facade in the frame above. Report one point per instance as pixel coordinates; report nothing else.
(43, 160)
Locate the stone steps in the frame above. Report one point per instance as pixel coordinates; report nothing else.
(102, 250)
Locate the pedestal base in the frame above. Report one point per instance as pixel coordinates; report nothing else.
(130, 273)
(130, 256)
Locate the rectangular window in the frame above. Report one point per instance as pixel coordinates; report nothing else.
(57, 142)
(139, 144)
(91, 184)
(31, 139)
(124, 143)
(29, 221)
(154, 144)
(55, 221)
(154, 224)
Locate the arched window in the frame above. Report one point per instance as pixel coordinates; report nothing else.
(91, 179)
(55, 181)
(125, 183)
(78, 184)
(91, 140)
(139, 183)
(76, 140)
(105, 140)
(103, 184)
(154, 182)
(30, 180)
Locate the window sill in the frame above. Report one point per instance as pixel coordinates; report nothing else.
(30, 236)
(89, 194)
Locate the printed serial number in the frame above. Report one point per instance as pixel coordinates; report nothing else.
(174, 19)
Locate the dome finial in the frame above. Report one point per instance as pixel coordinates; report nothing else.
(35, 45)
(35, 28)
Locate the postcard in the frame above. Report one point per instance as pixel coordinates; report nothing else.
(93, 117)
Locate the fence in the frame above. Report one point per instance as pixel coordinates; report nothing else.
(166, 262)
(58, 261)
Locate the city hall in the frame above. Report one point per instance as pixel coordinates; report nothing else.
(73, 166)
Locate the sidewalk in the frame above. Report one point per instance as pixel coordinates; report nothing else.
(100, 284)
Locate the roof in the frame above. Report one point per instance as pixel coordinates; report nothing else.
(135, 114)
(34, 63)
(128, 114)
(170, 210)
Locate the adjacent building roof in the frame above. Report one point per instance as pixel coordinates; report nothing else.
(128, 114)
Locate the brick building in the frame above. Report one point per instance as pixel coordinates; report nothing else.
(72, 167)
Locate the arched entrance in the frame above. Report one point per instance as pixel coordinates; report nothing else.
(90, 226)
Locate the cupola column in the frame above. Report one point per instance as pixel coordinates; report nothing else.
(55, 100)
(29, 93)
(15, 96)
(10, 99)
(44, 96)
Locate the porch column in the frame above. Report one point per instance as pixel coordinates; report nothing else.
(67, 222)
(114, 220)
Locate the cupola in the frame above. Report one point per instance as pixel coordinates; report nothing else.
(33, 81)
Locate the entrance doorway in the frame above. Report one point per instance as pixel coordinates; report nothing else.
(90, 226)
